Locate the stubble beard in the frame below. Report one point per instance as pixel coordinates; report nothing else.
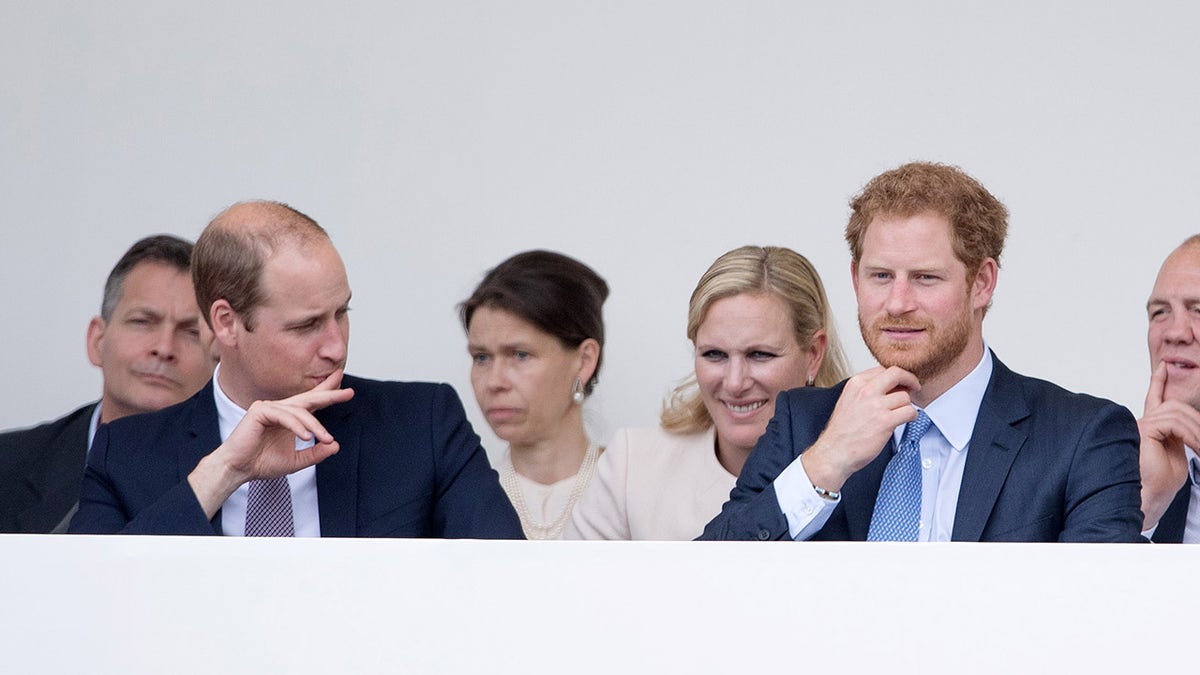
(941, 348)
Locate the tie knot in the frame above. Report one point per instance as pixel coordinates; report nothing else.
(915, 430)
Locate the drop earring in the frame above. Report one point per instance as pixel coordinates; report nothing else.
(811, 381)
(577, 392)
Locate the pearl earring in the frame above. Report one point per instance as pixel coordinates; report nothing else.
(811, 381)
(577, 392)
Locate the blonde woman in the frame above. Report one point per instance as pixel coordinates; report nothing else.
(760, 323)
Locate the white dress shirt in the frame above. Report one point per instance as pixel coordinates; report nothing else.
(1191, 531)
(303, 484)
(943, 457)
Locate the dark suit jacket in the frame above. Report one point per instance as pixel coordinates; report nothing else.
(1174, 520)
(40, 472)
(1043, 465)
(409, 465)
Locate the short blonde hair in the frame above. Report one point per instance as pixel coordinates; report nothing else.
(757, 269)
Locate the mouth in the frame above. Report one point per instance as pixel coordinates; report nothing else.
(744, 408)
(1179, 363)
(155, 379)
(901, 332)
(501, 414)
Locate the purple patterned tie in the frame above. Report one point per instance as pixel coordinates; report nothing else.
(269, 509)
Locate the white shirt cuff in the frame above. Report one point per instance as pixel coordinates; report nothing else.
(805, 510)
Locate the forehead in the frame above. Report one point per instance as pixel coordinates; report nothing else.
(910, 239)
(155, 283)
(746, 318)
(493, 325)
(1180, 274)
(305, 276)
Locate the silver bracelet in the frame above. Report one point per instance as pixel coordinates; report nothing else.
(826, 494)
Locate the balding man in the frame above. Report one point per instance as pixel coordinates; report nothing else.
(153, 350)
(280, 443)
(1170, 426)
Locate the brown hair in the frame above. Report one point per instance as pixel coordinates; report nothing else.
(227, 261)
(757, 269)
(978, 221)
(163, 249)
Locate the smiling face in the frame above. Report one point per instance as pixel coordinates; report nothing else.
(300, 331)
(154, 349)
(1174, 311)
(746, 353)
(523, 378)
(916, 309)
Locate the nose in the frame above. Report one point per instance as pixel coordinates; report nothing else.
(1179, 328)
(163, 346)
(900, 298)
(334, 341)
(737, 375)
(496, 375)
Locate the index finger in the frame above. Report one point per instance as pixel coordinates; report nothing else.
(895, 378)
(1158, 385)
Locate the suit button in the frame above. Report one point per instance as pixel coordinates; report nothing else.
(764, 535)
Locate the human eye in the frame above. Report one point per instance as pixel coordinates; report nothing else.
(522, 355)
(480, 358)
(713, 355)
(306, 327)
(761, 355)
(1157, 312)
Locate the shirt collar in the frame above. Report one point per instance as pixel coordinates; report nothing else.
(1193, 465)
(93, 425)
(229, 414)
(954, 412)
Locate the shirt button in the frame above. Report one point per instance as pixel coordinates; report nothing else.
(927, 463)
(808, 509)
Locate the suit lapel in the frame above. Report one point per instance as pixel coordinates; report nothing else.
(202, 435)
(337, 477)
(861, 490)
(994, 445)
(1173, 523)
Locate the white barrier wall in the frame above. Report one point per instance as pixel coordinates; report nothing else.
(209, 605)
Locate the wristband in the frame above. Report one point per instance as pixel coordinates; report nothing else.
(826, 494)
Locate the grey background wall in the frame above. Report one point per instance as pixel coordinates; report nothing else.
(434, 139)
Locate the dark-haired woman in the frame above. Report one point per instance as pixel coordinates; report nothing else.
(536, 336)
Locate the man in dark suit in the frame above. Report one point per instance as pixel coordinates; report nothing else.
(1170, 425)
(153, 351)
(275, 445)
(940, 441)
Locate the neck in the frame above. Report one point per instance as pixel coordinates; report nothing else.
(551, 460)
(939, 384)
(732, 458)
(232, 386)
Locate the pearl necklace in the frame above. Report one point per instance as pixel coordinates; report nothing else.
(553, 529)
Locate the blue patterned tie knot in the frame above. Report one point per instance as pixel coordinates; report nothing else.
(897, 515)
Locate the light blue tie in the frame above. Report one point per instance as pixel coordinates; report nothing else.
(897, 514)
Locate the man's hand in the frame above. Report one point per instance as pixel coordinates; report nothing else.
(1165, 427)
(263, 445)
(873, 403)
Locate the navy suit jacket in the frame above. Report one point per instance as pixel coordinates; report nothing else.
(1171, 526)
(1043, 465)
(409, 465)
(40, 472)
